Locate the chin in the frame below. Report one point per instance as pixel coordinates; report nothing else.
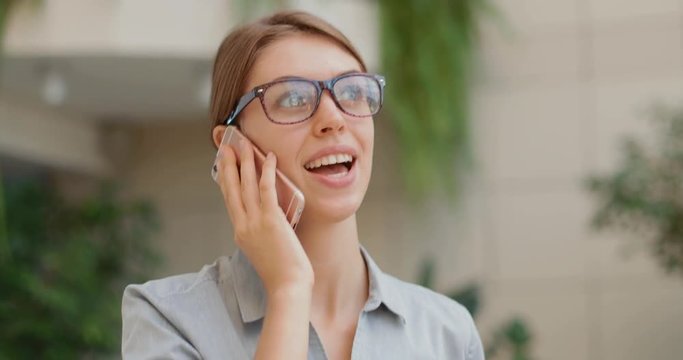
(332, 210)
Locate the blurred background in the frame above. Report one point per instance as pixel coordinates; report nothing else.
(105, 156)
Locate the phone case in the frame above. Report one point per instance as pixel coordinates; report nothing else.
(290, 198)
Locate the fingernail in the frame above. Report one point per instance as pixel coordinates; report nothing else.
(270, 155)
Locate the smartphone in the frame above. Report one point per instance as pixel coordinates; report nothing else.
(290, 198)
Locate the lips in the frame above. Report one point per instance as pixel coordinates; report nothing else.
(333, 166)
(330, 160)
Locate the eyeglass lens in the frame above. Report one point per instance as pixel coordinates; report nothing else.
(295, 100)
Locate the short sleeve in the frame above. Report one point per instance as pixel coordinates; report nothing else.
(147, 333)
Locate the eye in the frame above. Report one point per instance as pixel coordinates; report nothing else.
(350, 92)
(292, 99)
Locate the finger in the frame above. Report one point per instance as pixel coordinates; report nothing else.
(267, 183)
(250, 194)
(229, 182)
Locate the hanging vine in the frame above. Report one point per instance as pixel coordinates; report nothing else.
(427, 55)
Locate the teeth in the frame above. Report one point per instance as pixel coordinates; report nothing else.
(329, 160)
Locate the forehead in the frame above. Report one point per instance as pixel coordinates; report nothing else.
(310, 56)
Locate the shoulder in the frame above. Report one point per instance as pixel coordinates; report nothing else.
(420, 302)
(177, 300)
(445, 323)
(177, 285)
(175, 313)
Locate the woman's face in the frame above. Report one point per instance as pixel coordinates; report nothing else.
(332, 193)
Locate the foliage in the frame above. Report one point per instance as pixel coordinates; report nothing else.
(513, 336)
(644, 195)
(64, 268)
(4, 10)
(427, 55)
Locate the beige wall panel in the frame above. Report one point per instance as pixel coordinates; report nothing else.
(537, 133)
(617, 256)
(483, 125)
(531, 15)
(608, 11)
(535, 56)
(643, 320)
(356, 19)
(623, 108)
(638, 49)
(556, 313)
(540, 234)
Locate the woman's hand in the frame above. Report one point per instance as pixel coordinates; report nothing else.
(262, 231)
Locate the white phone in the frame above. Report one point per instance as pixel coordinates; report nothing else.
(289, 197)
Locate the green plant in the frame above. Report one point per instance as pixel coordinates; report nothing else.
(512, 337)
(644, 195)
(427, 55)
(4, 11)
(63, 270)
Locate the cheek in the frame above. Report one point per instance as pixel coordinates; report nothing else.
(367, 138)
(261, 131)
(286, 145)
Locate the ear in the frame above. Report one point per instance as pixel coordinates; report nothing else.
(218, 132)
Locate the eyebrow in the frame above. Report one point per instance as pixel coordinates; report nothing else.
(301, 77)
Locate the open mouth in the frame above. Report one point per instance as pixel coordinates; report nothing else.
(332, 165)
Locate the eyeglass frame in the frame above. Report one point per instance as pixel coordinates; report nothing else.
(320, 86)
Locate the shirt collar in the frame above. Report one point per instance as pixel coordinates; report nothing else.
(251, 296)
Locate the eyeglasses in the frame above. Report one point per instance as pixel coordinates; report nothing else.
(293, 100)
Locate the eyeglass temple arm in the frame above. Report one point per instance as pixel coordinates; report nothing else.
(244, 101)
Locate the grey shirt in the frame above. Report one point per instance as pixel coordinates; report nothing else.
(218, 312)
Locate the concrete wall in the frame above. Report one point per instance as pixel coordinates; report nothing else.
(555, 95)
(559, 93)
(37, 134)
(175, 28)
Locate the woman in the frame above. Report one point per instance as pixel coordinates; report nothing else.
(311, 293)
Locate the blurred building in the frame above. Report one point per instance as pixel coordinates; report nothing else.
(94, 89)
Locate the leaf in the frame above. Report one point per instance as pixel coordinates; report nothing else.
(426, 276)
(469, 297)
(643, 196)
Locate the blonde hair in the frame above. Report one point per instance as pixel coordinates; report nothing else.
(242, 46)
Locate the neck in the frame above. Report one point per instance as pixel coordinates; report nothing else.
(341, 280)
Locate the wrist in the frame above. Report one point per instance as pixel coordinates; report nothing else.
(294, 291)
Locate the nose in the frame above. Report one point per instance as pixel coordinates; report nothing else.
(328, 118)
